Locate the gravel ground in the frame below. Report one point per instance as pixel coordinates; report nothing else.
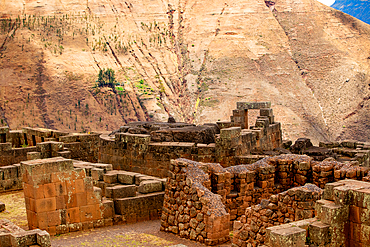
(130, 235)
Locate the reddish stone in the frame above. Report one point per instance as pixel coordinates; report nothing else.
(60, 189)
(38, 192)
(55, 177)
(87, 213)
(98, 212)
(80, 185)
(32, 220)
(28, 190)
(45, 205)
(91, 198)
(60, 202)
(81, 199)
(42, 221)
(71, 201)
(71, 186)
(54, 218)
(354, 214)
(52, 230)
(88, 184)
(73, 215)
(49, 190)
(31, 205)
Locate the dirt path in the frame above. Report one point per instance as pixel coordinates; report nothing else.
(131, 235)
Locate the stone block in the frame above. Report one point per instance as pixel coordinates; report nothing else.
(105, 167)
(150, 186)
(141, 177)
(107, 209)
(126, 177)
(319, 233)
(10, 172)
(23, 239)
(97, 174)
(329, 212)
(5, 240)
(64, 154)
(33, 155)
(110, 177)
(46, 166)
(252, 105)
(140, 205)
(230, 133)
(43, 238)
(5, 146)
(120, 191)
(288, 236)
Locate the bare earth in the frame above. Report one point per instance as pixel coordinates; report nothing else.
(139, 234)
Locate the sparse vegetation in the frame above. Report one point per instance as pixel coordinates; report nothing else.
(106, 77)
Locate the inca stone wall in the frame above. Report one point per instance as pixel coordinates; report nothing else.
(62, 199)
(292, 205)
(190, 209)
(255, 196)
(342, 219)
(149, 147)
(136, 197)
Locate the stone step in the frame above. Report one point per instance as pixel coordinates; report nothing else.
(330, 213)
(319, 233)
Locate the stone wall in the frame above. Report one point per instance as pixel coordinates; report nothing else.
(10, 156)
(254, 195)
(349, 150)
(342, 219)
(136, 197)
(82, 146)
(295, 204)
(32, 136)
(137, 153)
(190, 209)
(62, 199)
(10, 178)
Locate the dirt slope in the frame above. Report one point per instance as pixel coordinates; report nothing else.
(191, 59)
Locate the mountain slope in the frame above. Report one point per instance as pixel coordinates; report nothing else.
(193, 60)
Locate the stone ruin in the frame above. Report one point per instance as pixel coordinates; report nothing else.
(13, 235)
(201, 181)
(342, 219)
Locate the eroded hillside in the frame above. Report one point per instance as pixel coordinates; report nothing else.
(191, 59)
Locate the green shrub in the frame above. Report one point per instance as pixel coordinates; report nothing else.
(106, 77)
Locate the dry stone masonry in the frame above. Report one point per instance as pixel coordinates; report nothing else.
(148, 147)
(292, 205)
(62, 199)
(190, 209)
(342, 219)
(201, 181)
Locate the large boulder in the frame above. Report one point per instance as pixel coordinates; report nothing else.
(300, 145)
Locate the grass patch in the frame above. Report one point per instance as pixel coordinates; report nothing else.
(15, 208)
